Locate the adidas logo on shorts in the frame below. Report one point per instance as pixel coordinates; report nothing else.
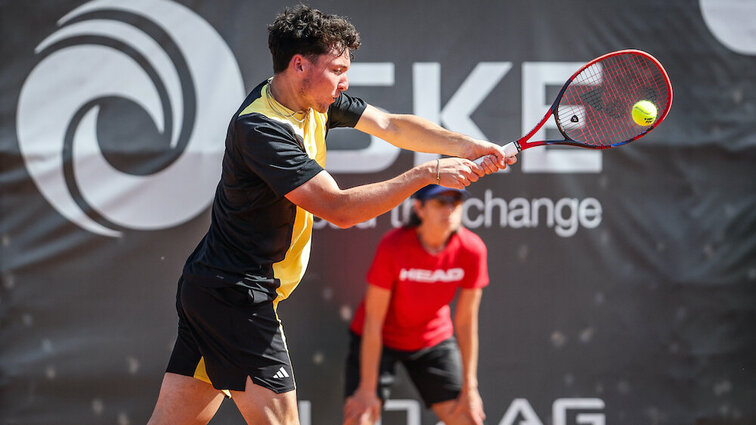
(281, 373)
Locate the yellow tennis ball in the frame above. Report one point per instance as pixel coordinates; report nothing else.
(644, 113)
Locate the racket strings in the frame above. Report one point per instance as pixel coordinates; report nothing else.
(604, 98)
(596, 107)
(598, 101)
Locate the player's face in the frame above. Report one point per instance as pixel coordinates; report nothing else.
(326, 79)
(443, 213)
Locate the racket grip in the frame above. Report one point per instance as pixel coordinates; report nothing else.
(509, 150)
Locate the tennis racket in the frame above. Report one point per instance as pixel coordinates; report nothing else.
(594, 108)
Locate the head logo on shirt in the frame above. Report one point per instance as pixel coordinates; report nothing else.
(432, 276)
(121, 122)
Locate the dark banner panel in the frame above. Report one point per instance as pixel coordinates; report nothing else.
(623, 282)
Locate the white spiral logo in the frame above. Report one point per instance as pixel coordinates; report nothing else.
(729, 21)
(100, 55)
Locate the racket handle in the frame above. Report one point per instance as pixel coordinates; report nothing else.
(509, 150)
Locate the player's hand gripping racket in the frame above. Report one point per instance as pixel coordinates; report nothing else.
(612, 100)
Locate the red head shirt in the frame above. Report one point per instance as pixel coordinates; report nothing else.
(422, 286)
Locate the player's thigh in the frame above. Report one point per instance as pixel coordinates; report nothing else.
(261, 406)
(186, 401)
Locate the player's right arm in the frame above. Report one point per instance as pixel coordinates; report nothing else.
(269, 151)
(323, 197)
(364, 403)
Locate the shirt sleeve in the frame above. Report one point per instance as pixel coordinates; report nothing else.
(274, 153)
(382, 272)
(478, 273)
(345, 111)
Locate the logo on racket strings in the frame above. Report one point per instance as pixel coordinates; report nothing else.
(106, 93)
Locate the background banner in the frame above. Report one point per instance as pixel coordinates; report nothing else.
(623, 282)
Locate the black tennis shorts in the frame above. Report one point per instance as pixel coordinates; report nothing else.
(436, 371)
(225, 335)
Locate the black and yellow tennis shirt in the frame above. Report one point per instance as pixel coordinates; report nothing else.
(257, 237)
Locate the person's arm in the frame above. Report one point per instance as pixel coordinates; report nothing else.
(345, 208)
(322, 196)
(365, 401)
(466, 324)
(421, 135)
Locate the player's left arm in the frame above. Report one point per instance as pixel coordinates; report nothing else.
(421, 135)
(466, 325)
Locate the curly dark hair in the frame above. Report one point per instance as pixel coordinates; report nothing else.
(309, 32)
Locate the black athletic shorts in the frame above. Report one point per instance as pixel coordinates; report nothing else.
(225, 335)
(436, 371)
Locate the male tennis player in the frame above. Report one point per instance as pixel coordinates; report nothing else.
(405, 316)
(230, 339)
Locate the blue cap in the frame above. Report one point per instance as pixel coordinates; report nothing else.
(433, 190)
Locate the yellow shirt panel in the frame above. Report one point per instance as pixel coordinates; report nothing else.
(310, 126)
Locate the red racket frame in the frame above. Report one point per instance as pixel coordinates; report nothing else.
(523, 143)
